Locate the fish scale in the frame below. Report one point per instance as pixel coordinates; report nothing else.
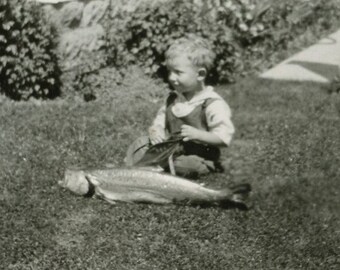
(144, 180)
(147, 186)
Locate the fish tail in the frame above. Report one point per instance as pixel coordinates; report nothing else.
(237, 195)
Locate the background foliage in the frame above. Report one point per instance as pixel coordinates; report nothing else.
(286, 145)
(241, 31)
(247, 36)
(28, 63)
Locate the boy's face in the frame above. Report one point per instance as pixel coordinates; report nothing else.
(183, 75)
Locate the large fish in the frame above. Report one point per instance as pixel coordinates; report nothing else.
(148, 186)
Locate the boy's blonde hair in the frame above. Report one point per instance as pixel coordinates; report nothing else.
(197, 49)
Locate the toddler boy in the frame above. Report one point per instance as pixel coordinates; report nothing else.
(193, 112)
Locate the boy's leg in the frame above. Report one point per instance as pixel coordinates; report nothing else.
(193, 166)
(137, 150)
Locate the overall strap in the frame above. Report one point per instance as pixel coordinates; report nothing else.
(207, 102)
(197, 118)
(171, 98)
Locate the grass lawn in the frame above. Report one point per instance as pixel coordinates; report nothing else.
(287, 145)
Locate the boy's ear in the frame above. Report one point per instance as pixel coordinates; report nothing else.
(202, 73)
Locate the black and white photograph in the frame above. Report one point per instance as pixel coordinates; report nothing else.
(169, 134)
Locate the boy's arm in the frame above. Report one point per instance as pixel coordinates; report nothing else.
(219, 122)
(157, 129)
(191, 133)
(221, 129)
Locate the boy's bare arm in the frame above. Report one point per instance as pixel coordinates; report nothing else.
(190, 133)
(156, 134)
(157, 130)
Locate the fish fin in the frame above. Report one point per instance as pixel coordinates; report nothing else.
(92, 180)
(92, 187)
(237, 195)
(241, 189)
(100, 194)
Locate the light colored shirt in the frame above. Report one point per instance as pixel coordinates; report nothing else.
(218, 115)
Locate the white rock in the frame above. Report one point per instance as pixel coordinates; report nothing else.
(74, 44)
(94, 12)
(70, 14)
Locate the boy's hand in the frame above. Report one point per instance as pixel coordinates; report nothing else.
(156, 139)
(155, 136)
(190, 133)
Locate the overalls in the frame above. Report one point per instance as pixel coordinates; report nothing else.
(192, 159)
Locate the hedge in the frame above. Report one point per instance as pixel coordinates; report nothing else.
(238, 29)
(28, 62)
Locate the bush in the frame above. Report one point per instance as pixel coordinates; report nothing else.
(28, 63)
(90, 77)
(143, 36)
(289, 26)
(240, 30)
(246, 36)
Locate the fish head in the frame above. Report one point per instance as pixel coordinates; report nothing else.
(75, 180)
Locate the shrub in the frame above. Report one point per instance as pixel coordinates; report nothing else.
(241, 31)
(288, 26)
(143, 36)
(28, 63)
(245, 35)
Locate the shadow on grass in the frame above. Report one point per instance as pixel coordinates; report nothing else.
(227, 205)
(326, 70)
